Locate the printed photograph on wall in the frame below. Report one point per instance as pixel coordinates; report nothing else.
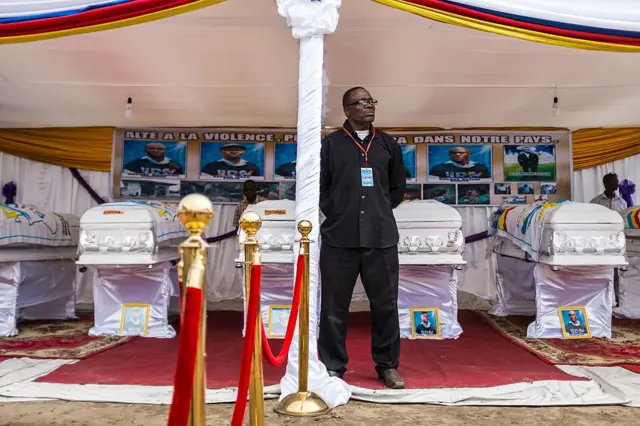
(525, 189)
(217, 192)
(459, 163)
(409, 158)
(285, 160)
(269, 190)
(479, 193)
(154, 159)
(443, 192)
(548, 189)
(502, 188)
(530, 163)
(231, 161)
(515, 199)
(150, 188)
(288, 191)
(413, 192)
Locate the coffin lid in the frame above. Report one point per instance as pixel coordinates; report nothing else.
(129, 212)
(426, 211)
(578, 213)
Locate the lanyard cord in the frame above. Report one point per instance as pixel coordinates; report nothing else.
(365, 151)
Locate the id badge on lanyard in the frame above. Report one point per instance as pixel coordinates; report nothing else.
(366, 176)
(366, 173)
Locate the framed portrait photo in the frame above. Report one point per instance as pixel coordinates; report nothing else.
(425, 323)
(574, 322)
(278, 320)
(135, 319)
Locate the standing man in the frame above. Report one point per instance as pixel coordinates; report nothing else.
(610, 198)
(250, 192)
(362, 179)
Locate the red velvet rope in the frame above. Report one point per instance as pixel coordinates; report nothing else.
(248, 347)
(291, 325)
(186, 363)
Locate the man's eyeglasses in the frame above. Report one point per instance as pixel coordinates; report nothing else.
(363, 102)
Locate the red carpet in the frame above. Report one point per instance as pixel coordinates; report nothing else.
(480, 358)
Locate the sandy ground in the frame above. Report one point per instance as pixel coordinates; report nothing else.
(80, 414)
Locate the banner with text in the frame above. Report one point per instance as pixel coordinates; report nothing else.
(454, 167)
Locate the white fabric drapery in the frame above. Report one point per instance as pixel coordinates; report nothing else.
(309, 22)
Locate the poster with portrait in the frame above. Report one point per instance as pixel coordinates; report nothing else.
(459, 163)
(278, 320)
(231, 160)
(425, 323)
(502, 188)
(135, 319)
(285, 160)
(409, 159)
(442, 192)
(154, 159)
(529, 163)
(574, 322)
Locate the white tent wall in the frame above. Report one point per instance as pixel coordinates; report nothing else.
(53, 188)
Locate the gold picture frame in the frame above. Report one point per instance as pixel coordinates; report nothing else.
(571, 330)
(129, 311)
(279, 329)
(433, 318)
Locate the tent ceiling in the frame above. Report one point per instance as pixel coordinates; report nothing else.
(235, 64)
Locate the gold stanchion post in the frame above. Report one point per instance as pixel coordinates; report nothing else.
(303, 403)
(195, 212)
(251, 223)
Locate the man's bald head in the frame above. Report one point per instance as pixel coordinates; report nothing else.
(155, 151)
(459, 154)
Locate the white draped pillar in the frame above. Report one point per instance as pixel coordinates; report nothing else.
(310, 20)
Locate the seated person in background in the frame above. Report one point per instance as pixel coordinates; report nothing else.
(250, 191)
(610, 198)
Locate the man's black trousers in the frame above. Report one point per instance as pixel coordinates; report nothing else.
(378, 270)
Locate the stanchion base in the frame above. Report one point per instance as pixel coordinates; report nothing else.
(303, 404)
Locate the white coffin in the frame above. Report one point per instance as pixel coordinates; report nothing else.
(430, 233)
(278, 233)
(561, 234)
(28, 233)
(130, 233)
(631, 219)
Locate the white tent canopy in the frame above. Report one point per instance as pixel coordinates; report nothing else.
(236, 64)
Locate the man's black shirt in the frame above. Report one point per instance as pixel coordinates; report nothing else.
(358, 216)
